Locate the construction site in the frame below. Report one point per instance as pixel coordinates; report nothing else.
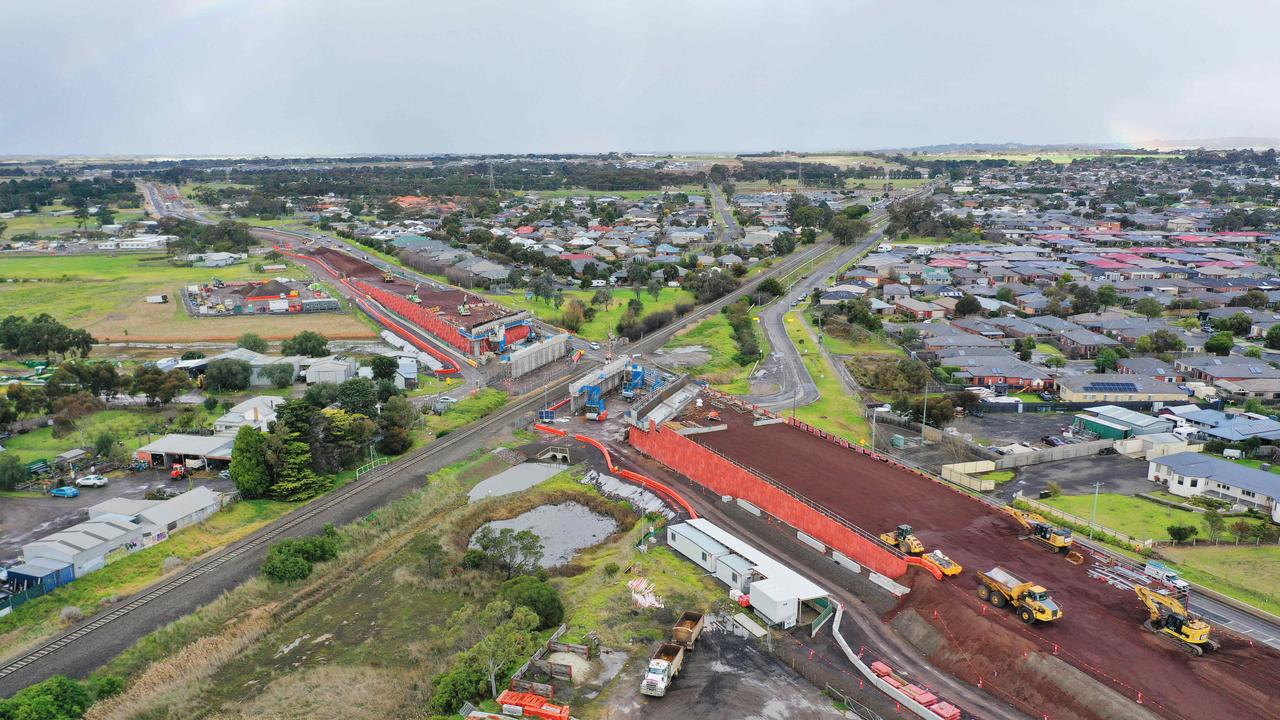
(475, 327)
(1053, 629)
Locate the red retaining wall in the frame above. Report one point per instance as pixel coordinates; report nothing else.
(418, 315)
(724, 477)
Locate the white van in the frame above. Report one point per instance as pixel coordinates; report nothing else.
(598, 283)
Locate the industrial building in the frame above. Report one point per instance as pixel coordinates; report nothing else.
(279, 295)
(86, 546)
(1110, 422)
(779, 594)
(211, 450)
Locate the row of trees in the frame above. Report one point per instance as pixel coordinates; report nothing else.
(42, 335)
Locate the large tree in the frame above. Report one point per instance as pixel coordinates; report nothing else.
(228, 375)
(249, 470)
(306, 343)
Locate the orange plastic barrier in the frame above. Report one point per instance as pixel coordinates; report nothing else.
(534, 705)
(935, 572)
(549, 429)
(636, 477)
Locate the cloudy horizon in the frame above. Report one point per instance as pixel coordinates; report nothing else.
(320, 77)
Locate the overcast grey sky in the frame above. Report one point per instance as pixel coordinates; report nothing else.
(415, 76)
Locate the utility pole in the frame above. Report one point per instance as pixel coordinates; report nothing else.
(924, 413)
(1095, 508)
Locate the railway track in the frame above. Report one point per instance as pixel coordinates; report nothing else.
(407, 464)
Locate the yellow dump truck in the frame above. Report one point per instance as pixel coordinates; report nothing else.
(1032, 602)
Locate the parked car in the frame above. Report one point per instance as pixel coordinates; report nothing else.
(1053, 441)
(66, 492)
(446, 400)
(92, 481)
(595, 346)
(224, 474)
(1048, 397)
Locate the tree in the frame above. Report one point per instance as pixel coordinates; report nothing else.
(1107, 296)
(1106, 360)
(290, 461)
(1160, 341)
(1219, 344)
(847, 231)
(249, 469)
(654, 286)
(1272, 340)
(12, 471)
(602, 296)
(192, 355)
(1214, 523)
(307, 344)
(537, 595)
(1181, 533)
(384, 367)
(1055, 361)
(359, 395)
(1253, 351)
(280, 374)
(1005, 294)
(228, 375)
(1238, 324)
(968, 305)
(517, 553)
(505, 645)
(573, 316)
(1255, 299)
(57, 698)
(399, 412)
(1149, 307)
(1241, 529)
(251, 341)
(321, 395)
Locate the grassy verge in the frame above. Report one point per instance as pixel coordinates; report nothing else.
(1028, 397)
(132, 427)
(1248, 573)
(465, 412)
(836, 411)
(40, 617)
(999, 477)
(1132, 516)
(722, 370)
(1048, 349)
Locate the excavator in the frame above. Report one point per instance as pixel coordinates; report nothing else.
(904, 538)
(1056, 539)
(1170, 618)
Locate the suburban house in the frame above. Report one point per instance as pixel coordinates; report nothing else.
(257, 412)
(918, 309)
(1150, 367)
(1117, 387)
(1188, 474)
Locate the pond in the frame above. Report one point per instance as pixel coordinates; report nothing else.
(514, 479)
(564, 529)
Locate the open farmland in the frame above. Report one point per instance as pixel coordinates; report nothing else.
(105, 294)
(877, 496)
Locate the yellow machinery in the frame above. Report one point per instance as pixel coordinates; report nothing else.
(1057, 539)
(904, 538)
(944, 564)
(388, 277)
(1171, 619)
(1032, 602)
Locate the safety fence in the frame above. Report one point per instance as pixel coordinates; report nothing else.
(962, 474)
(661, 489)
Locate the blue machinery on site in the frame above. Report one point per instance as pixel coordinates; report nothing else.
(638, 378)
(594, 408)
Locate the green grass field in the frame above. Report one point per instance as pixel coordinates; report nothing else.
(606, 320)
(1132, 516)
(998, 476)
(915, 241)
(467, 411)
(878, 183)
(836, 411)
(105, 295)
(1249, 573)
(128, 426)
(625, 194)
(1048, 349)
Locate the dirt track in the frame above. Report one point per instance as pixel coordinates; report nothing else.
(1100, 632)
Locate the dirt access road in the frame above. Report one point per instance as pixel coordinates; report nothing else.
(1101, 630)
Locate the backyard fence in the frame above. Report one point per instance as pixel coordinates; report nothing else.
(963, 474)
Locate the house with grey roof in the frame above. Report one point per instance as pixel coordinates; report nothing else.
(1189, 474)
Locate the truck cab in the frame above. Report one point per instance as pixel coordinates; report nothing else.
(662, 670)
(1036, 599)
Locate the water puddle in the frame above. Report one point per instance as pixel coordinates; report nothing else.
(514, 479)
(564, 529)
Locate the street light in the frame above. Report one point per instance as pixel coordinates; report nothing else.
(1095, 509)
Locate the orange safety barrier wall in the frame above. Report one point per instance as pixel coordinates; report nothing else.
(418, 315)
(549, 429)
(635, 477)
(727, 478)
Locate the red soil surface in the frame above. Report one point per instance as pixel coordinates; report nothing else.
(1100, 632)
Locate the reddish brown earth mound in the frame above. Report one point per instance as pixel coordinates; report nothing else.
(1101, 630)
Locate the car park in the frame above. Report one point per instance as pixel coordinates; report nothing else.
(65, 492)
(92, 481)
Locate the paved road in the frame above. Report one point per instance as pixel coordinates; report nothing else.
(730, 231)
(85, 647)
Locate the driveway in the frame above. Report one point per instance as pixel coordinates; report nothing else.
(23, 520)
(1115, 474)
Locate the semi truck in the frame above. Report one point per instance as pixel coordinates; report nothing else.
(1031, 601)
(664, 666)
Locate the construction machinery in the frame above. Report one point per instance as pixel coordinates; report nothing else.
(1031, 601)
(663, 668)
(594, 407)
(413, 297)
(944, 564)
(1056, 539)
(1170, 618)
(687, 629)
(634, 380)
(388, 277)
(904, 538)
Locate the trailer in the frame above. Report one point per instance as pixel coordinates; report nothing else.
(664, 666)
(687, 630)
(157, 299)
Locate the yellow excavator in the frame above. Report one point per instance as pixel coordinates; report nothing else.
(904, 538)
(1170, 618)
(1056, 539)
